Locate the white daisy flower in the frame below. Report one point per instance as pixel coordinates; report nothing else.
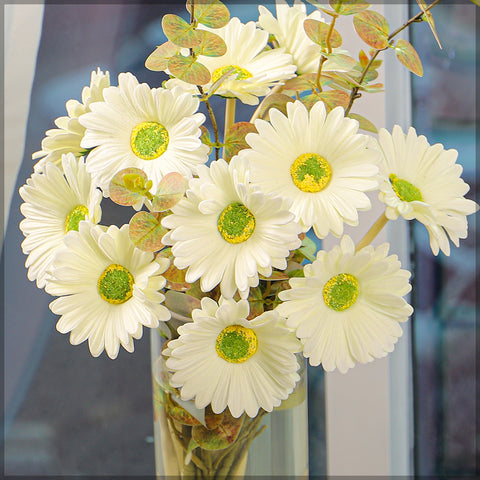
(227, 231)
(317, 161)
(255, 69)
(290, 34)
(156, 130)
(348, 307)
(55, 202)
(67, 137)
(108, 289)
(422, 181)
(224, 360)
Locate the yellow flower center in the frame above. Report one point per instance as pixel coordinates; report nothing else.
(405, 190)
(149, 140)
(236, 223)
(241, 73)
(115, 284)
(75, 217)
(341, 292)
(311, 173)
(236, 344)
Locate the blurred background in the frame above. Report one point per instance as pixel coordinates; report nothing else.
(66, 413)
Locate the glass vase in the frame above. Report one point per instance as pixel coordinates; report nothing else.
(198, 444)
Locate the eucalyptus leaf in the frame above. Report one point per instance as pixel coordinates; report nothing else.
(189, 70)
(180, 32)
(408, 56)
(318, 32)
(146, 232)
(158, 59)
(213, 14)
(235, 138)
(128, 186)
(372, 28)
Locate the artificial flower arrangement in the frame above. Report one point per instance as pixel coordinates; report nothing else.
(227, 245)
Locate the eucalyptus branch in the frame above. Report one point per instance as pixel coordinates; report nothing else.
(213, 120)
(354, 94)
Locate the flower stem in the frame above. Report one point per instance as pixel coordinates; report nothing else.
(229, 119)
(213, 120)
(373, 232)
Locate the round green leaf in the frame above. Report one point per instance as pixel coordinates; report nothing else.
(409, 57)
(211, 45)
(372, 28)
(188, 70)
(348, 7)
(318, 31)
(213, 14)
(235, 138)
(179, 32)
(170, 190)
(158, 59)
(364, 123)
(222, 436)
(275, 100)
(128, 186)
(146, 232)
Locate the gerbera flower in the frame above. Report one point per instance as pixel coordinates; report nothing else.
(108, 289)
(348, 307)
(422, 181)
(227, 231)
(255, 69)
(67, 137)
(290, 34)
(55, 202)
(317, 161)
(156, 130)
(224, 360)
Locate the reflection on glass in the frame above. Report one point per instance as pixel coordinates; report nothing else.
(444, 324)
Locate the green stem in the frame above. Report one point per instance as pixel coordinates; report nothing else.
(229, 118)
(373, 232)
(323, 59)
(354, 93)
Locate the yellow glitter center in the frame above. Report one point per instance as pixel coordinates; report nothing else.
(75, 217)
(341, 292)
(115, 284)
(236, 344)
(241, 73)
(405, 191)
(311, 173)
(236, 223)
(149, 140)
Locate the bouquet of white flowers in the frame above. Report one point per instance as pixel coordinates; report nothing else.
(224, 233)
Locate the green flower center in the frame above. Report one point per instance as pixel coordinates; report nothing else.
(311, 173)
(236, 344)
(405, 190)
(236, 223)
(149, 140)
(75, 217)
(115, 284)
(241, 73)
(341, 292)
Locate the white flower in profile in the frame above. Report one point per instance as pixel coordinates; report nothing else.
(348, 307)
(55, 203)
(422, 181)
(156, 130)
(290, 34)
(226, 231)
(254, 69)
(68, 136)
(225, 360)
(108, 289)
(316, 160)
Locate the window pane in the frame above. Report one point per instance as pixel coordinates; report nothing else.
(445, 301)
